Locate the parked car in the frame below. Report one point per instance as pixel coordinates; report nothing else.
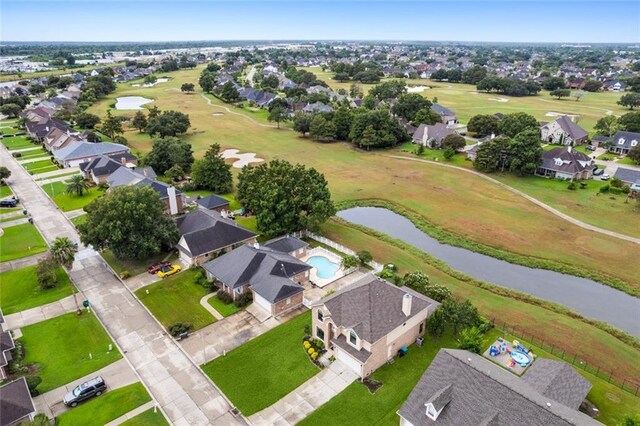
(11, 202)
(153, 269)
(598, 172)
(605, 177)
(591, 148)
(166, 271)
(86, 390)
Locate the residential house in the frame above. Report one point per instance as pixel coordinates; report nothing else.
(292, 246)
(577, 83)
(463, 388)
(6, 346)
(258, 97)
(317, 107)
(448, 117)
(206, 233)
(80, 152)
(40, 128)
(58, 138)
(600, 140)
(622, 142)
(367, 323)
(213, 202)
(563, 131)
(273, 277)
(628, 176)
(566, 163)
(174, 200)
(431, 136)
(16, 405)
(615, 86)
(100, 168)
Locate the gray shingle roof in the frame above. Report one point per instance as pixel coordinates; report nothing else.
(101, 166)
(437, 132)
(625, 140)
(6, 345)
(206, 231)
(269, 272)
(15, 402)
(212, 202)
(372, 307)
(361, 355)
(628, 176)
(572, 129)
(442, 110)
(84, 149)
(286, 244)
(479, 390)
(558, 381)
(566, 160)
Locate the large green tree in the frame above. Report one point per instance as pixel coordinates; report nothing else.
(131, 222)
(376, 129)
(278, 114)
(492, 155)
(302, 123)
(167, 152)
(484, 125)
(525, 151)
(474, 74)
(211, 172)
(630, 122)
(168, 123)
(630, 100)
(342, 120)
(139, 121)
(409, 104)
(112, 126)
(512, 124)
(86, 120)
(389, 90)
(322, 129)
(285, 197)
(229, 93)
(607, 125)
(427, 116)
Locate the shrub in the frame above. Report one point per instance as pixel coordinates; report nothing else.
(201, 279)
(306, 345)
(310, 351)
(471, 340)
(125, 274)
(616, 183)
(572, 186)
(307, 329)
(364, 256)
(319, 344)
(449, 153)
(604, 188)
(243, 300)
(224, 297)
(178, 328)
(17, 154)
(350, 262)
(46, 273)
(626, 189)
(314, 356)
(103, 186)
(32, 384)
(583, 185)
(420, 150)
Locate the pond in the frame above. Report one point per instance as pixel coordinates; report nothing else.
(131, 102)
(588, 297)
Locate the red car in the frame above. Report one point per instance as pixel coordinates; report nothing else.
(157, 266)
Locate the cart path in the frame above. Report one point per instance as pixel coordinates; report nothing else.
(251, 119)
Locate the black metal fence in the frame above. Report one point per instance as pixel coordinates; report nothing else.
(607, 373)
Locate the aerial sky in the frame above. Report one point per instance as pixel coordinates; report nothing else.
(167, 20)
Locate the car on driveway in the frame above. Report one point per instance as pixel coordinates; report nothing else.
(598, 172)
(605, 177)
(590, 148)
(153, 269)
(166, 271)
(10, 202)
(86, 390)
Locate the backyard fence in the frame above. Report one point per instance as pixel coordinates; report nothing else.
(631, 385)
(377, 267)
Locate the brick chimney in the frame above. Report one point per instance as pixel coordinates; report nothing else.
(406, 304)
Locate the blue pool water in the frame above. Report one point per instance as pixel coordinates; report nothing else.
(325, 267)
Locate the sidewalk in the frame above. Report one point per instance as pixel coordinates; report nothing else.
(142, 280)
(22, 262)
(40, 313)
(218, 316)
(307, 397)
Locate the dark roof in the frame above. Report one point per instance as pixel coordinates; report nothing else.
(41, 128)
(625, 139)
(6, 345)
(101, 166)
(479, 390)
(285, 244)
(442, 110)
(361, 355)
(569, 127)
(372, 307)
(212, 202)
(601, 138)
(566, 160)
(558, 381)
(628, 176)
(435, 132)
(205, 231)
(268, 271)
(15, 402)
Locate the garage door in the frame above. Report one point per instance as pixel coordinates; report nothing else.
(185, 257)
(264, 303)
(349, 361)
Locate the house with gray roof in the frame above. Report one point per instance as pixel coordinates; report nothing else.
(100, 168)
(628, 176)
(431, 136)
(447, 116)
(563, 131)
(367, 323)
(273, 277)
(213, 202)
(287, 244)
(206, 233)
(317, 107)
(174, 200)
(80, 152)
(16, 405)
(463, 388)
(566, 163)
(623, 142)
(6, 346)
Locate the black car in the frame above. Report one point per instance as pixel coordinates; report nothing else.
(598, 172)
(11, 202)
(86, 390)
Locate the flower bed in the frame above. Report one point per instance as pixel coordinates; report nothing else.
(314, 348)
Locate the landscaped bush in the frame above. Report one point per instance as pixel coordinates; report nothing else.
(224, 297)
(125, 274)
(201, 279)
(178, 328)
(471, 340)
(364, 257)
(46, 273)
(604, 188)
(32, 384)
(17, 355)
(350, 262)
(616, 183)
(243, 300)
(314, 348)
(572, 186)
(17, 154)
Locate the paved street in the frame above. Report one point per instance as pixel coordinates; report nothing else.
(186, 395)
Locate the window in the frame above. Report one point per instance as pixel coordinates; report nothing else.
(353, 338)
(288, 300)
(239, 290)
(621, 141)
(320, 333)
(634, 142)
(421, 327)
(320, 316)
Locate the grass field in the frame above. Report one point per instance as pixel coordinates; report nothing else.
(265, 369)
(62, 71)
(20, 241)
(79, 219)
(177, 299)
(104, 408)
(147, 418)
(68, 202)
(133, 266)
(61, 346)
(5, 191)
(17, 142)
(19, 290)
(35, 165)
(225, 309)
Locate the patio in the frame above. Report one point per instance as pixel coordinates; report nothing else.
(315, 275)
(504, 358)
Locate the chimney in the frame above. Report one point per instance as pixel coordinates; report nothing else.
(173, 202)
(145, 171)
(493, 135)
(406, 304)
(568, 148)
(123, 161)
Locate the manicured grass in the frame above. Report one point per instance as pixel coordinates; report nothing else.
(225, 309)
(247, 222)
(20, 241)
(57, 176)
(19, 289)
(79, 220)
(265, 369)
(627, 160)
(68, 202)
(16, 142)
(10, 219)
(460, 159)
(34, 153)
(60, 71)
(35, 165)
(147, 418)
(9, 210)
(133, 266)
(46, 169)
(61, 347)
(177, 299)
(5, 191)
(109, 406)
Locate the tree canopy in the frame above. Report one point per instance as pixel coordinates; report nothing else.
(388, 90)
(630, 100)
(167, 152)
(512, 124)
(492, 155)
(376, 129)
(168, 123)
(630, 122)
(525, 151)
(211, 172)
(409, 104)
(483, 125)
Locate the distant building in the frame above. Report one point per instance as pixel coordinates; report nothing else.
(431, 136)
(623, 142)
(563, 131)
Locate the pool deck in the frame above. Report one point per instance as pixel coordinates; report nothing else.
(503, 359)
(313, 274)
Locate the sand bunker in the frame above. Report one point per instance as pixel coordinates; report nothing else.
(242, 159)
(417, 89)
(558, 114)
(217, 113)
(160, 80)
(131, 102)
(498, 99)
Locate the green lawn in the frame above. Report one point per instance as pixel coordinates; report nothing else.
(248, 223)
(627, 160)
(225, 309)
(35, 165)
(109, 406)
(133, 266)
(61, 347)
(69, 174)
(68, 202)
(10, 219)
(460, 159)
(233, 203)
(5, 191)
(20, 241)
(3, 211)
(265, 369)
(79, 219)
(51, 168)
(34, 153)
(177, 299)
(19, 289)
(16, 142)
(147, 418)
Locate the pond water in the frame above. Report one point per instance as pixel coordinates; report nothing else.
(588, 297)
(131, 102)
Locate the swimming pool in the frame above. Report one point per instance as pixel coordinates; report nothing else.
(325, 267)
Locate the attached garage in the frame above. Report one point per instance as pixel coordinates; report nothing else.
(348, 360)
(262, 302)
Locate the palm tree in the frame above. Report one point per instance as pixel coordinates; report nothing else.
(63, 252)
(78, 185)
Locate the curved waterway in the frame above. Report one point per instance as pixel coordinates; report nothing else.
(590, 298)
